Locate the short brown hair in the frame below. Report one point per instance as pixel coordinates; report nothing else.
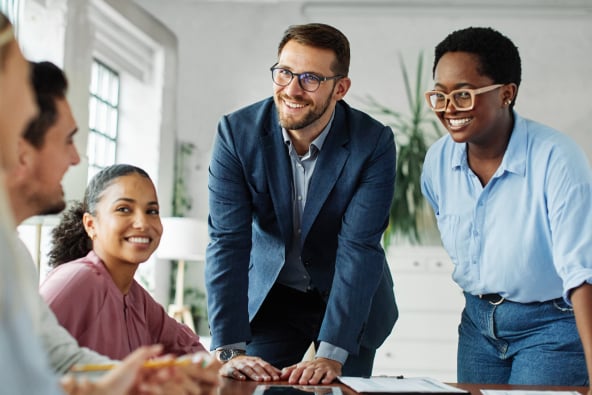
(49, 85)
(323, 36)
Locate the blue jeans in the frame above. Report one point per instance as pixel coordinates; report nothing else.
(286, 324)
(519, 343)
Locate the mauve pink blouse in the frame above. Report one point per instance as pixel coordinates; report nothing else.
(89, 305)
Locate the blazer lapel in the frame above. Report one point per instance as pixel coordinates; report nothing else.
(330, 162)
(279, 174)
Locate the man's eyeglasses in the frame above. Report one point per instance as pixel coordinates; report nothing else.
(462, 99)
(309, 82)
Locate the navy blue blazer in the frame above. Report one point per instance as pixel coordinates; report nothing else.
(346, 213)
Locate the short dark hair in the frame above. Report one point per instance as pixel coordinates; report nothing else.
(69, 239)
(319, 35)
(49, 84)
(498, 56)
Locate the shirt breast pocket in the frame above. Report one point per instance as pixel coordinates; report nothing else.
(448, 226)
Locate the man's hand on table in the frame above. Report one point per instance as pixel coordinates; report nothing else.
(320, 370)
(246, 367)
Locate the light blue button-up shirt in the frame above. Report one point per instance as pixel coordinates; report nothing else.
(293, 272)
(527, 234)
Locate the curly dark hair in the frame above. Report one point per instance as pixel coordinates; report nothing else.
(69, 239)
(319, 35)
(498, 56)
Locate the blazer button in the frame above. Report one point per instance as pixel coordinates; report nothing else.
(306, 263)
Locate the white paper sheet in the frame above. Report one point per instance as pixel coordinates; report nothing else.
(398, 385)
(524, 392)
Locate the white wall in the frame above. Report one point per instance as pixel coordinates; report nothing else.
(227, 47)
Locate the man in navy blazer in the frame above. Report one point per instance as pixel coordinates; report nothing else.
(300, 187)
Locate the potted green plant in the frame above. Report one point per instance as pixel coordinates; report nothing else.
(182, 203)
(414, 132)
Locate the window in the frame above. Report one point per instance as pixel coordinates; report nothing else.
(103, 117)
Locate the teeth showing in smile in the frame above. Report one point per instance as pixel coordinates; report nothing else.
(459, 122)
(293, 105)
(139, 240)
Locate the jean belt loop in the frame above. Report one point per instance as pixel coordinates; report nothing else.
(493, 299)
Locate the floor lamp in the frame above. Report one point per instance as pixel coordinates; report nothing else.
(183, 239)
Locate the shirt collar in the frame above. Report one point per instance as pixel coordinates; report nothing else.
(316, 143)
(514, 160)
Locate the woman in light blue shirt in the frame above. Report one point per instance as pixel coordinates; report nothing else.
(513, 201)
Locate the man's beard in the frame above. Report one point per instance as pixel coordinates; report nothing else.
(310, 118)
(54, 208)
(49, 203)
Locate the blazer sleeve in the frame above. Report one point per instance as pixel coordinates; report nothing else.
(228, 253)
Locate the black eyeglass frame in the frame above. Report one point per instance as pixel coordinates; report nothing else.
(300, 76)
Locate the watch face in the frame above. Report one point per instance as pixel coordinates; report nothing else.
(226, 355)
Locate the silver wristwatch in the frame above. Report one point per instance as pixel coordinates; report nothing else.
(226, 354)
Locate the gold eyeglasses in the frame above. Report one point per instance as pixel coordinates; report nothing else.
(462, 99)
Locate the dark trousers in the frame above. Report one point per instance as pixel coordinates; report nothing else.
(286, 324)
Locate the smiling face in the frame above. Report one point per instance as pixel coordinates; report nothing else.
(127, 225)
(299, 110)
(49, 163)
(491, 113)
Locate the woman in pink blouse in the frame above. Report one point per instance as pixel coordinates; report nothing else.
(97, 248)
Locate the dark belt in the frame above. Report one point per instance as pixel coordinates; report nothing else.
(493, 299)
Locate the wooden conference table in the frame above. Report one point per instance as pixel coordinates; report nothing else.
(234, 387)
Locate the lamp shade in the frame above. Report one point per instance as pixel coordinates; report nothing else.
(183, 238)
